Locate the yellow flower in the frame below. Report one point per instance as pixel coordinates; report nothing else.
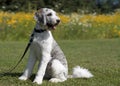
(64, 18)
(11, 22)
(119, 33)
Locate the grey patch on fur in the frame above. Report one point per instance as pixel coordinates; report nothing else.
(58, 54)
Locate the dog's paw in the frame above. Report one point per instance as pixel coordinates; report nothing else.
(55, 80)
(23, 78)
(37, 81)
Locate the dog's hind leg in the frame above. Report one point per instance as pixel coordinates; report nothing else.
(28, 71)
(59, 72)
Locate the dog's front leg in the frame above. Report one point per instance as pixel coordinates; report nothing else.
(42, 67)
(31, 62)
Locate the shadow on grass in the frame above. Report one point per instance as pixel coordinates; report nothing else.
(10, 74)
(18, 75)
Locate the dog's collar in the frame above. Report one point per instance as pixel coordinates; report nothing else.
(39, 31)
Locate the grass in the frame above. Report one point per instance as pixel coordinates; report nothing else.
(101, 57)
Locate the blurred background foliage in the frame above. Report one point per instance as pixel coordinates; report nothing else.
(64, 6)
(80, 19)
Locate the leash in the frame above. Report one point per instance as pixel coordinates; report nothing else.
(25, 51)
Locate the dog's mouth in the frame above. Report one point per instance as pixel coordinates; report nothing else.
(52, 26)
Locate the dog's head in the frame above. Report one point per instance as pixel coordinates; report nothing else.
(47, 17)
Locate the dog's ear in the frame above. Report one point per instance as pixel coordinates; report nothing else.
(37, 14)
(44, 19)
(40, 16)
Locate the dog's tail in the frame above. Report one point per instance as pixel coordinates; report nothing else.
(79, 72)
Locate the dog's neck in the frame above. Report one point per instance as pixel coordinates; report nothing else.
(40, 26)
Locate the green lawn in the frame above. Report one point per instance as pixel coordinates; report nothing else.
(101, 57)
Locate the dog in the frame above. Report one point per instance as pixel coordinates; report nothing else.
(52, 61)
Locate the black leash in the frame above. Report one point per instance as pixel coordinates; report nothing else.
(26, 49)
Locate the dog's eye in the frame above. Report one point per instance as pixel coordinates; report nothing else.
(50, 14)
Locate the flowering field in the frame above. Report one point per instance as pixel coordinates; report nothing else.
(18, 26)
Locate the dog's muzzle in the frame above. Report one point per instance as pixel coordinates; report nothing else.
(53, 26)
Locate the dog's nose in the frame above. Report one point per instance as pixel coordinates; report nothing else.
(58, 21)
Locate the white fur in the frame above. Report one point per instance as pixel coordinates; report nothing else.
(58, 71)
(41, 50)
(79, 72)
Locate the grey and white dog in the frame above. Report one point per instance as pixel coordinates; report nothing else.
(52, 61)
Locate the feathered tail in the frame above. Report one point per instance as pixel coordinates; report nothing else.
(79, 72)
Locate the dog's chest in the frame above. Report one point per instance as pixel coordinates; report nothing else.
(41, 42)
